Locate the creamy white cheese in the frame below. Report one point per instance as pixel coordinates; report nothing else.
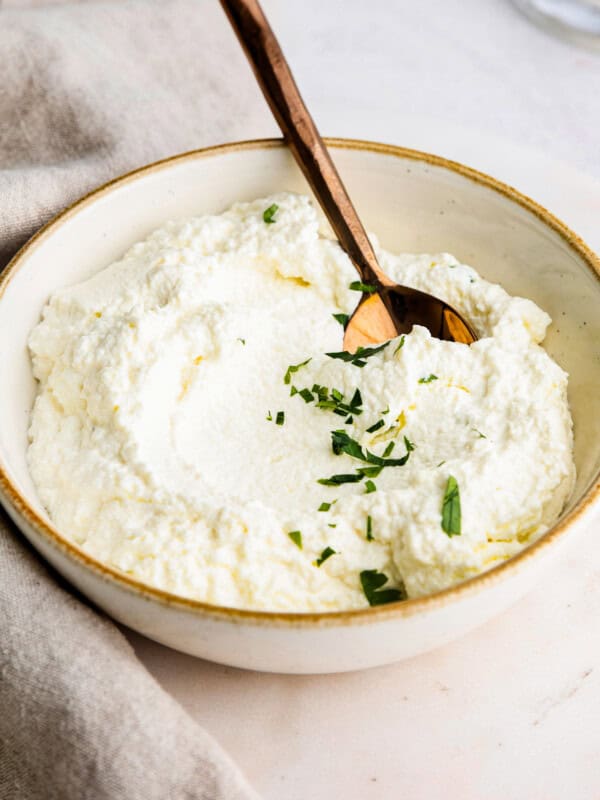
(152, 448)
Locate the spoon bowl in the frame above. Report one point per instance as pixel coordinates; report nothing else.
(394, 309)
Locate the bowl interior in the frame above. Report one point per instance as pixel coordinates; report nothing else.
(410, 202)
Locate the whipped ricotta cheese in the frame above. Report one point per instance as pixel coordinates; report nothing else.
(169, 440)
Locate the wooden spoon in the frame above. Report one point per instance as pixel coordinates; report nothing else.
(386, 308)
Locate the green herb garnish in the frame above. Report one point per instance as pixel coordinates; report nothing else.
(479, 433)
(371, 581)
(296, 537)
(341, 442)
(280, 418)
(376, 426)
(370, 487)
(342, 319)
(370, 472)
(400, 344)
(358, 359)
(324, 506)
(306, 395)
(269, 213)
(293, 368)
(269, 417)
(332, 525)
(359, 286)
(327, 553)
(338, 480)
(451, 508)
(243, 341)
(369, 529)
(334, 401)
(408, 444)
(429, 378)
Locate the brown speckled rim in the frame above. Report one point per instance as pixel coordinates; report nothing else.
(19, 505)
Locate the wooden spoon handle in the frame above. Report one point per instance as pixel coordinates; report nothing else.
(277, 83)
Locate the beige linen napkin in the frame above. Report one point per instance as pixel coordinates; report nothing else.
(87, 91)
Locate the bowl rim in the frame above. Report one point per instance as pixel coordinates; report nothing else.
(27, 515)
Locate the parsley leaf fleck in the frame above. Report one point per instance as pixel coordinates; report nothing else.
(451, 516)
(357, 359)
(269, 213)
(359, 286)
(376, 426)
(341, 442)
(327, 553)
(306, 395)
(400, 344)
(342, 319)
(296, 537)
(338, 480)
(429, 378)
(371, 581)
(293, 368)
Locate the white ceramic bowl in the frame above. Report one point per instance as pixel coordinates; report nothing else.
(414, 202)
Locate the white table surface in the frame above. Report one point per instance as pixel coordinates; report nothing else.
(512, 710)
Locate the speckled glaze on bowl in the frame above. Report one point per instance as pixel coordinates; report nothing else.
(414, 202)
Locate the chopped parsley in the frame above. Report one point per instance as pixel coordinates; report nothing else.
(376, 426)
(370, 487)
(334, 401)
(369, 472)
(370, 536)
(386, 410)
(293, 368)
(357, 359)
(371, 581)
(296, 537)
(327, 553)
(280, 418)
(269, 417)
(324, 506)
(359, 286)
(408, 444)
(332, 525)
(429, 378)
(306, 395)
(400, 344)
(269, 213)
(243, 341)
(451, 508)
(338, 480)
(342, 319)
(479, 433)
(341, 442)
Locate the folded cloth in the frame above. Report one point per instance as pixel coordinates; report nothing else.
(89, 90)
(81, 719)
